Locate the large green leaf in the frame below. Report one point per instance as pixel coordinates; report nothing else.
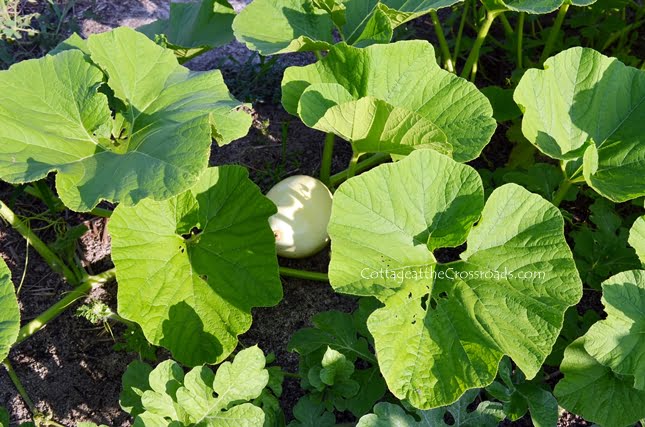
(9, 311)
(588, 108)
(637, 238)
(596, 393)
(415, 104)
(167, 397)
(55, 116)
(307, 25)
(619, 341)
(487, 414)
(444, 328)
(191, 268)
(193, 28)
(536, 7)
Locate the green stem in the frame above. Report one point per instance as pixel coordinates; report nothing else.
(508, 29)
(57, 309)
(47, 196)
(470, 67)
(18, 384)
(562, 191)
(302, 274)
(554, 31)
(318, 55)
(103, 213)
(48, 255)
(520, 40)
(460, 32)
(291, 375)
(353, 164)
(445, 51)
(325, 165)
(368, 163)
(117, 318)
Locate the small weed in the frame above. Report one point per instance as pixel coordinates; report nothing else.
(30, 29)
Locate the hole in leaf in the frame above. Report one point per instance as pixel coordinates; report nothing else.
(449, 419)
(195, 231)
(443, 295)
(424, 301)
(444, 255)
(203, 277)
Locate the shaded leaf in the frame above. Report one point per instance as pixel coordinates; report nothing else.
(619, 341)
(603, 250)
(200, 397)
(596, 393)
(637, 238)
(193, 28)
(214, 259)
(9, 312)
(307, 25)
(308, 413)
(487, 414)
(566, 117)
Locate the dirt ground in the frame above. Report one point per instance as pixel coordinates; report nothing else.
(70, 368)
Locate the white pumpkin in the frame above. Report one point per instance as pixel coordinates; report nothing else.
(304, 208)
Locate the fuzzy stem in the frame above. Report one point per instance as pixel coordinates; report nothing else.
(57, 309)
(554, 31)
(520, 40)
(302, 274)
(18, 384)
(445, 51)
(474, 53)
(48, 255)
(328, 152)
(371, 161)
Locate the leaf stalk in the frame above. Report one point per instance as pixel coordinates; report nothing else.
(48, 255)
(562, 191)
(89, 283)
(325, 165)
(361, 166)
(473, 57)
(553, 33)
(520, 40)
(302, 274)
(443, 44)
(18, 384)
